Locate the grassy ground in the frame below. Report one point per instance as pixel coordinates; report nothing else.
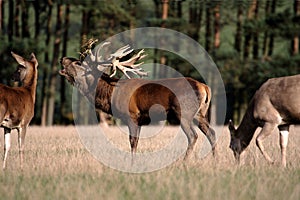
(58, 166)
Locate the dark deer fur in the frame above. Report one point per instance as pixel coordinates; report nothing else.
(17, 103)
(131, 99)
(274, 106)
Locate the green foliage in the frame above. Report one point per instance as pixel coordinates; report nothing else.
(171, 22)
(108, 17)
(284, 24)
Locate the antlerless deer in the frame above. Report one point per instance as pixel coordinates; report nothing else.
(275, 105)
(131, 99)
(17, 103)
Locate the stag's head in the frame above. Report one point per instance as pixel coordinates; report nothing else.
(235, 143)
(25, 67)
(72, 68)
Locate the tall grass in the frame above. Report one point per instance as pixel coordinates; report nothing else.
(57, 166)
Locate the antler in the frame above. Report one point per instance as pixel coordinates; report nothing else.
(128, 65)
(87, 48)
(113, 60)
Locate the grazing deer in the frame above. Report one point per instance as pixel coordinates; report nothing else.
(17, 103)
(274, 105)
(131, 100)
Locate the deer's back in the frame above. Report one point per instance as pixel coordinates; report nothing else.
(279, 96)
(141, 94)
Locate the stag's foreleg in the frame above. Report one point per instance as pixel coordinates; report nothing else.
(266, 130)
(284, 137)
(134, 134)
(191, 135)
(7, 144)
(21, 142)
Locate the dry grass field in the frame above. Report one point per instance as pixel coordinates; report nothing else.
(57, 166)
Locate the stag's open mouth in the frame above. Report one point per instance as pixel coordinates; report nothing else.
(62, 72)
(65, 73)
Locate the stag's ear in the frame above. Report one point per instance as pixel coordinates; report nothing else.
(231, 127)
(19, 59)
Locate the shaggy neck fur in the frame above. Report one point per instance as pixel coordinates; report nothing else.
(98, 91)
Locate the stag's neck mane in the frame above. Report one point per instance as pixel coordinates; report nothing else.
(104, 92)
(30, 83)
(97, 90)
(247, 127)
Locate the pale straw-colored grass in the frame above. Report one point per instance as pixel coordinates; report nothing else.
(57, 166)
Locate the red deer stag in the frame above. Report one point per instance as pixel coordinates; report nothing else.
(131, 99)
(17, 103)
(274, 105)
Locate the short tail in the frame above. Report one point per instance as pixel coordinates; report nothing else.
(208, 94)
(204, 100)
(208, 104)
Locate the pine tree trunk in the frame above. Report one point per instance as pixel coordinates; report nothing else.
(208, 32)
(17, 18)
(165, 8)
(157, 8)
(48, 33)
(64, 53)
(37, 8)
(256, 34)
(81, 105)
(195, 19)
(179, 9)
(295, 41)
(25, 26)
(163, 58)
(1, 16)
(248, 32)
(266, 34)
(45, 69)
(10, 27)
(238, 35)
(53, 76)
(271, 42)
(217, 39)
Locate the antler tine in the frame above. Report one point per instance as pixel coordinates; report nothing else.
(139, 72)
(87, 49)
(97, 53)
(123, 51)
(135, 58)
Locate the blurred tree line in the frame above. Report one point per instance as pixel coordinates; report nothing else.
(249, 40)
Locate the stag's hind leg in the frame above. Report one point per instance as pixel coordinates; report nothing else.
(7, 144)
(191, 134)
(210, 134)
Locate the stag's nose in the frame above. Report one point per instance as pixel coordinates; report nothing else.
(61, 60)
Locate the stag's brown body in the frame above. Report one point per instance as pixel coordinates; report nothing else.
(17, 103)
(133, 100)
(275, 105)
